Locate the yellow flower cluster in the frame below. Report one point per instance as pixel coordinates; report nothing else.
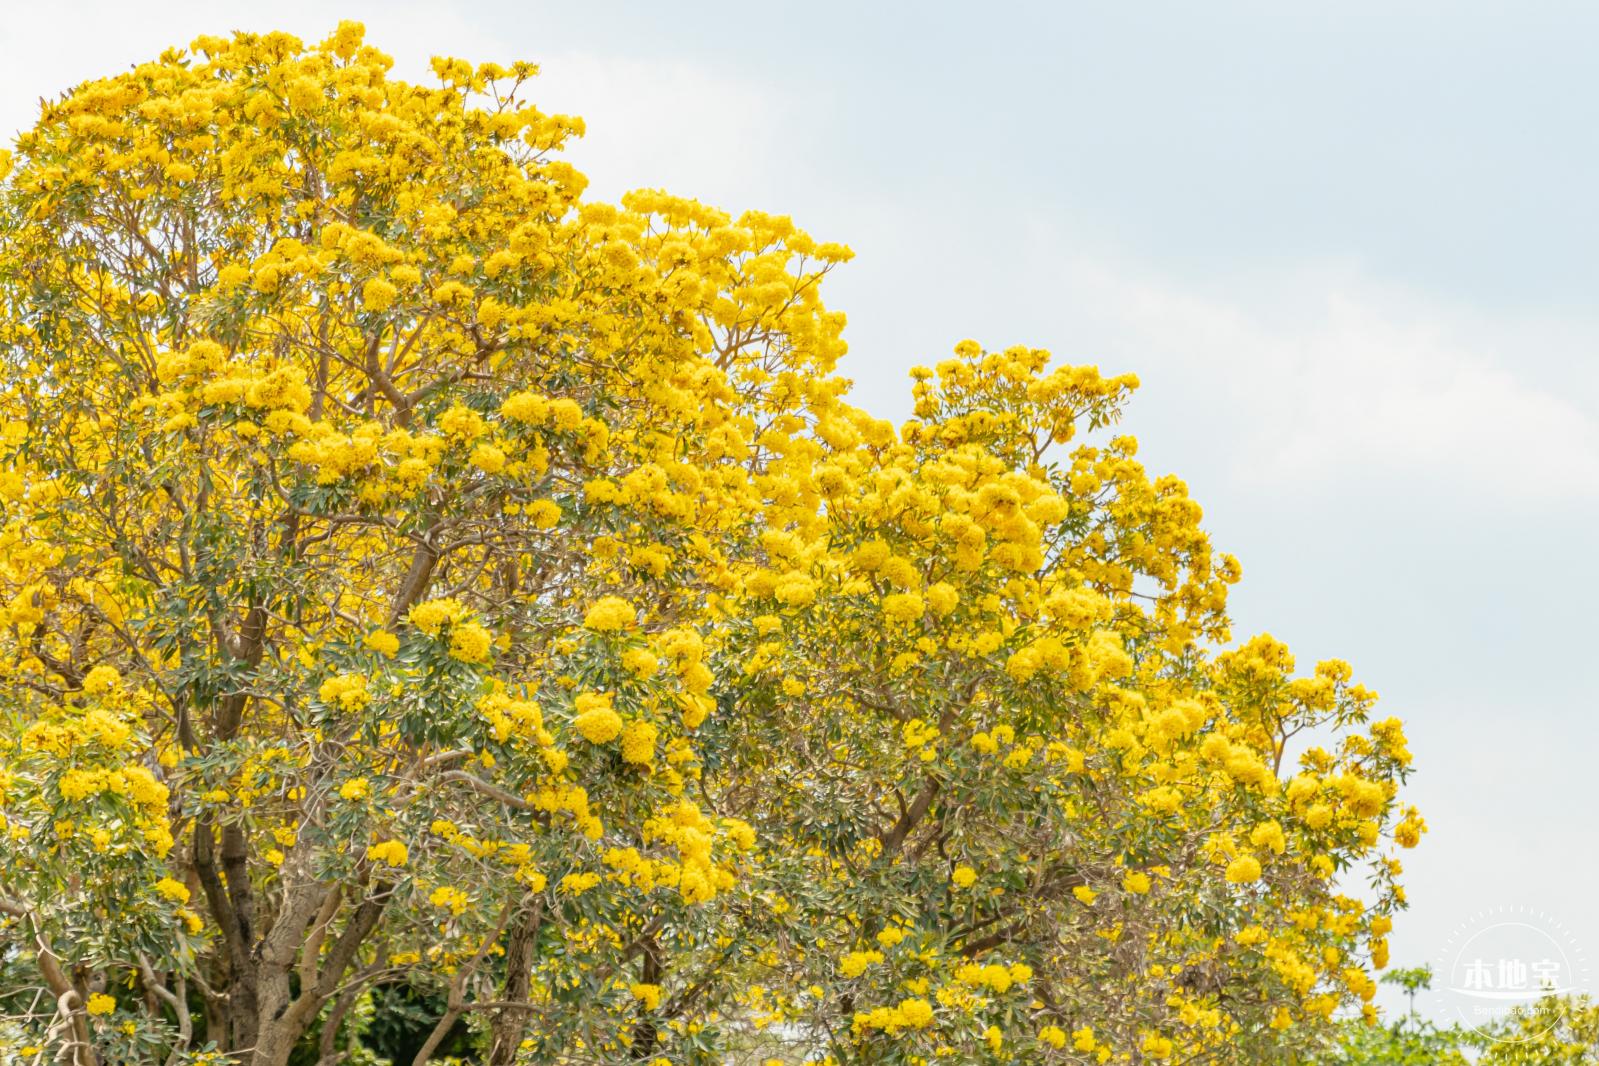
(610, 614)
(910, 1013)
(596, 719)
(390, 852)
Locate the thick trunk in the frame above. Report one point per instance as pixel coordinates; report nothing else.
(241, 1011)
(510, 1022)
(274, 1047)
(285, 1017)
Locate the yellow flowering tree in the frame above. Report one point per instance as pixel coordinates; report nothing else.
(415, 573)
(363, 493)
(1037, 819)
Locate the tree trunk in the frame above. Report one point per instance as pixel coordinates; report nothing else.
(510, 1021)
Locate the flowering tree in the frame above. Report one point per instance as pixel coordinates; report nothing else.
(1036, 819)
(416, 573)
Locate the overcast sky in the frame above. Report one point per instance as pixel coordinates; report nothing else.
(1350, 250)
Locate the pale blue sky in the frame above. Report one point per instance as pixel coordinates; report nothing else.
(1350, 248)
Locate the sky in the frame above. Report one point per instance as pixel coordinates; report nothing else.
(1350, 249)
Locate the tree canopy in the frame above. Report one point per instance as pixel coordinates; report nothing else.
(418, 576)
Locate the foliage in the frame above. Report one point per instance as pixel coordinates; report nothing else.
(416, 575)
(1557, 1030)
(1408, 1041)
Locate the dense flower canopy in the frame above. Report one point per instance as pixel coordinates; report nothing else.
(416, 574)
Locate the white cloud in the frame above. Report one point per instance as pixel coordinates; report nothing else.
(1329, 375)
(663, 124)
